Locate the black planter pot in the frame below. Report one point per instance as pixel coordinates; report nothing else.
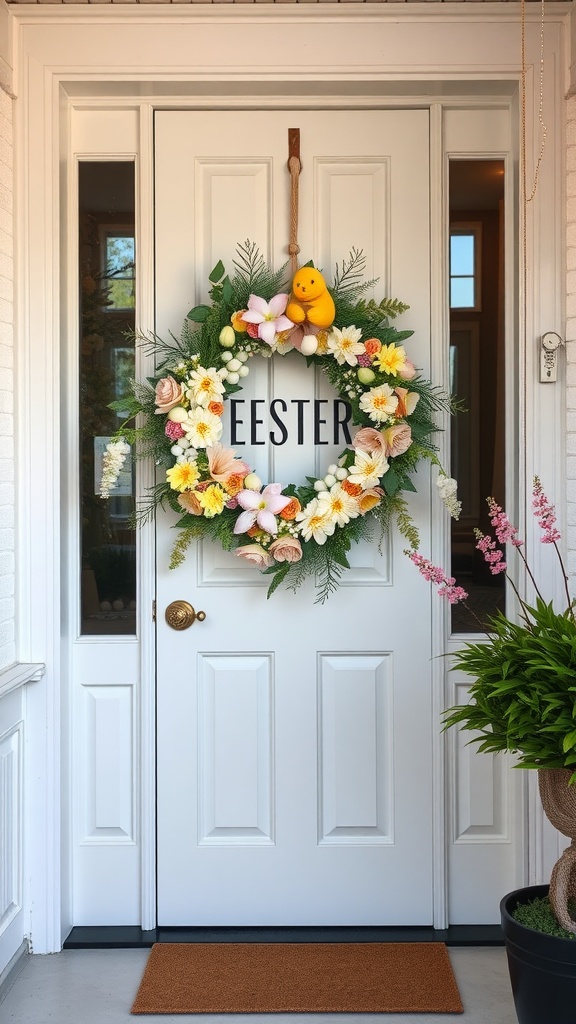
(542, 967)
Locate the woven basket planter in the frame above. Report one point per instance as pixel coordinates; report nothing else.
(559, 803)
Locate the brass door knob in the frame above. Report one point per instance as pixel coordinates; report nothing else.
(181, 615)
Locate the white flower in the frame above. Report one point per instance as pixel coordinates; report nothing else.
(344, 345)
(281, 344)
(315, 522)
(447, 489)
(380, 403)
(341, 506)
(368, 468)
(205, 386)
(202, 428)
(112, 461)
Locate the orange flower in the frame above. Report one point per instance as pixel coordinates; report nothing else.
(372, 346)
(234, 483)
(238, 323)
(407, 402)
(291, 510)
(216, 408)
(353, 489)
(254, 531)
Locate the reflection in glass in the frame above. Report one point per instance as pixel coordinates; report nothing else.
(477, 377)
(106, 366)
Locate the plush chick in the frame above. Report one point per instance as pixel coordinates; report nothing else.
(310, 299)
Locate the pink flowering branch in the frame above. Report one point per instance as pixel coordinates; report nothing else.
(545, 515)
(434, 574)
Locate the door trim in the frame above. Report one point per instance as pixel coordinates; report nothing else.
(56, 54)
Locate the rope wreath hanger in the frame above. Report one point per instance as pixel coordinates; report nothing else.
(295, 169)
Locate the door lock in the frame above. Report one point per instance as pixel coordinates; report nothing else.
(549, 345)
(181, 615)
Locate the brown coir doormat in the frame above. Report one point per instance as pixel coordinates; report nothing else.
(358, 977)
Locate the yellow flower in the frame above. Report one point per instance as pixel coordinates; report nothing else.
(183, 476)
(322, 339)
(390, 359)
(212, 500)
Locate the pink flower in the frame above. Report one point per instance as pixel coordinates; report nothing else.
(368, 439)
(492, 555)
(446, 584)
(260, 508)
(505, 532)
(173, 430)
(398, 439)
(286, 549)
(168, 393)
(544, 513)
(255, 554)
(298, 332)
(269, 316)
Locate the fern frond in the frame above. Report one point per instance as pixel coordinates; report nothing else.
(181, 547)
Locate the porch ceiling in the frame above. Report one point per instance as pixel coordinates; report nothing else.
(422, 2)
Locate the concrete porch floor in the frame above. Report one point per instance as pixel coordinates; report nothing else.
(98, 986)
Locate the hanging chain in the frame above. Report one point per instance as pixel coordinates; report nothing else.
(543, 128)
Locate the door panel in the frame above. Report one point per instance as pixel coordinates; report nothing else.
(294, 739)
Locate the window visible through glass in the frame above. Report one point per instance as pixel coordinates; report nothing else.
(462, 271)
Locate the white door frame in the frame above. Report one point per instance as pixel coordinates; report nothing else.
(119, 57)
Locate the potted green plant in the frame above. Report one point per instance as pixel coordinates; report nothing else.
(523, 700)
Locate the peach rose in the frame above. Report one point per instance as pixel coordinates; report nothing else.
(255, 554)
(398, 439)
(368, 439)
(216, 408)
(286, 549)
(168, 394)
(407, 370)
(368, 499)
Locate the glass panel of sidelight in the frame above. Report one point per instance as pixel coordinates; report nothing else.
(106, 257)
(477, 378)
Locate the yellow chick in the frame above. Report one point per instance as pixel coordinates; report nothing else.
(310, 299)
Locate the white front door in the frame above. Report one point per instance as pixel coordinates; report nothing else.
(294, 739)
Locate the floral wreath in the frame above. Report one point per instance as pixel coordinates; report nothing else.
(299, 530)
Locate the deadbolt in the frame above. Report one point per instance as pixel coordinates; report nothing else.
(181, 615)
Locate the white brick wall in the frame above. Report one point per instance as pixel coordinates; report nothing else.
(571, 325)
(7, 631)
